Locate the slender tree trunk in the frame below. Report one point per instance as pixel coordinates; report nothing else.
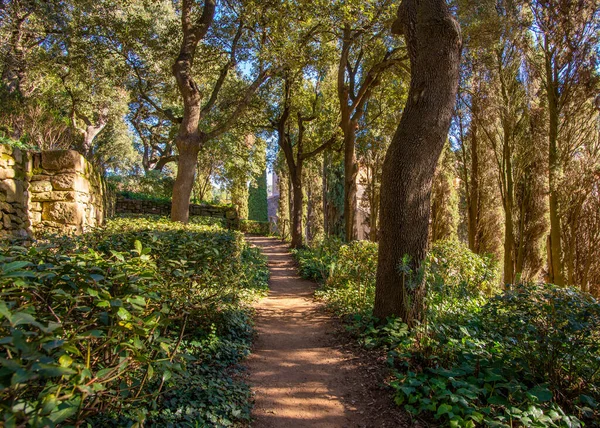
(555, 269)
(325, 203)
(350, 174)
(473, 209)
(297, 207)
(433, 40)
(509, 234)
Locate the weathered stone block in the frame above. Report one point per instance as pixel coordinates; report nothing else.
(35, 206)
(70, 182)
(18, 155)
(40, 186)
(62, 212)
(57, 160)
(53, 196)
(7, 159)
(35, 217)
(7, 208)
(13, 189)
(7, 173)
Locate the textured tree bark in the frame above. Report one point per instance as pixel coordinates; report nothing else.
(188, 139)
(555, 268)
(182, 188)
(350, 174)
(297, 207)
(434, 43)
(473, 211)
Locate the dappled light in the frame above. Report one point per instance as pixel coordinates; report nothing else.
(299, 213)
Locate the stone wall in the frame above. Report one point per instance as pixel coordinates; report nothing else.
(13, 197)
(56, 191)
(65, 192)
(137, 206)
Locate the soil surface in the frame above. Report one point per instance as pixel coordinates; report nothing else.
(304, 371)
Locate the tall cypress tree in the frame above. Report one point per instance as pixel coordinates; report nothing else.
(257, 199)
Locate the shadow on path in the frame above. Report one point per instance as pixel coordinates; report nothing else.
(299, 371)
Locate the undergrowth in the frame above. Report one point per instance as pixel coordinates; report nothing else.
(526, 356)
(141, 322)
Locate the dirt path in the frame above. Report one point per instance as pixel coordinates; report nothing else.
(301, 370)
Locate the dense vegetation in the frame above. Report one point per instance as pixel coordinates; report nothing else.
(141, 320)
(527, 355)
(382, 121)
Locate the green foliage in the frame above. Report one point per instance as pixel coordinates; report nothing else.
(150, 186)
(14, 143)
(208, 221)
(528, 356)
(255, 227)
(349, 288)
(453, 270)
(153, 312)
(317, 262)
(143, 197)
(257, 199)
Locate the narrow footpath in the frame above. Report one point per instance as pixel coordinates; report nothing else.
(302, 370)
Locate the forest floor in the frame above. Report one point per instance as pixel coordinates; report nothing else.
(304, 370)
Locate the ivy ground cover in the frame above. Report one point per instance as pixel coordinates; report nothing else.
(141, 322)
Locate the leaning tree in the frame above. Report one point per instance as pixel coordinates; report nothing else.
(434, 45)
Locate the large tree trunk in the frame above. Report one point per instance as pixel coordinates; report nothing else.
(434, 43)
(188, 139)
(182, 188)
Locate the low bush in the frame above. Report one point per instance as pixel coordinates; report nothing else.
(317, 262)
(142, 320)
(255, 227)
(528, 356)
(350, 285)
(208, 221)
(153, 185)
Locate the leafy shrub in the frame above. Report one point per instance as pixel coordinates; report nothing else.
(317, 262)
(101, 334)
(208, 221)
(350, 287)
(454, 271)
(255, 227)
(143, 197)
(153, 186)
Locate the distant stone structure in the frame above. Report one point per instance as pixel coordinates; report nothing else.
(137, 206)
(54, 190)
(13, 201)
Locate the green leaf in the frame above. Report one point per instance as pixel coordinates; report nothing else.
(443, 409)
(123, 313)
(541, 393)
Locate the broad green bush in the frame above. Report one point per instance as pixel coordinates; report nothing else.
(151, 186)
(255, 227)
(112, 326)
(350, 286)
(208, 221)
(454, 271)
(316, 262)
